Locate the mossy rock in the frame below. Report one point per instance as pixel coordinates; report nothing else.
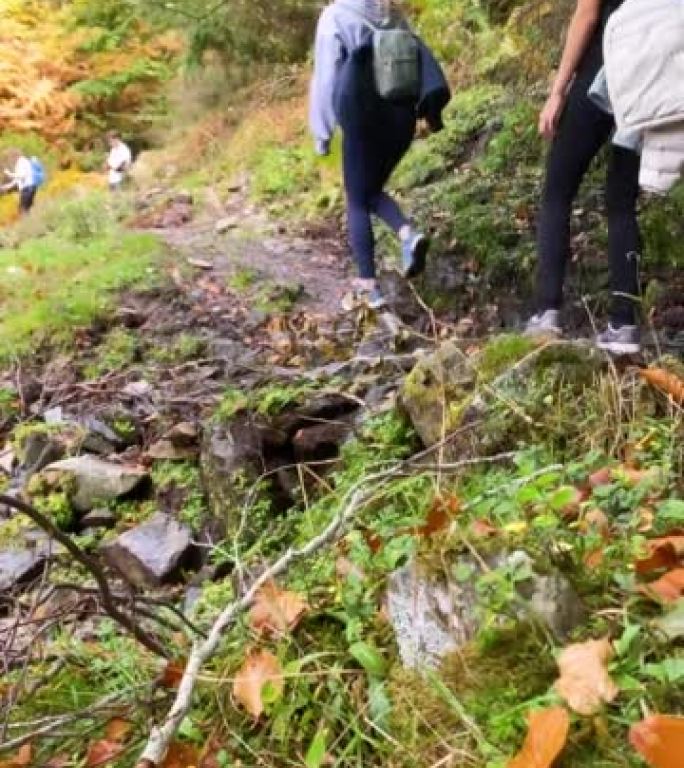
(510, 392)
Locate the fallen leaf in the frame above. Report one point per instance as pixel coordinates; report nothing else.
(172, 673)
(595, 558)
(117, 729)
(260, 668)
(659, 740)
(603, 476)
(58, 761)
(546, 736)
(584, 681)
(167, 450)
(181, 755)
(646, 519)
(21, 759)
(276, 611)
(634, 476)
(102, 752)
(483, 529)
(668, 588)
(668, 383)
(597, 520)
(662, 553)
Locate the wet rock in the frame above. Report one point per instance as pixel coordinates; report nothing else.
(99, 518)
(320, 442)
(435, 614)
(152, 553)
(326, 407)
(18, 566)
(97, 481)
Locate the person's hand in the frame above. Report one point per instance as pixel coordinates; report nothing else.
(550, 115)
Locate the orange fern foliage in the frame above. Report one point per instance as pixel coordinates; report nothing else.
(666, 382)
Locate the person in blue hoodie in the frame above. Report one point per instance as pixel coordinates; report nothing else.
(377, 132)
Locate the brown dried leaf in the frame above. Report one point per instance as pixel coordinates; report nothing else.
(659, 740)
(102, 752)
(546, 736)
(669, 588)
(668, 383)
(603, 476)
(172, 673)
(483, 529)
(584, 681)
(117, 729)
(276, 611)
(260, 668)
(181, 755)
(662, 553)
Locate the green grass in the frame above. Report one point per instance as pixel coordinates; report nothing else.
(51, 285)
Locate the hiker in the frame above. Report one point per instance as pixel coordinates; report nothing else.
(577, 130)
(374, 78)
(27, 175)
(119, 161)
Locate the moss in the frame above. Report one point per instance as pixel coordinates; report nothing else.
(500, 353)
(51, 493)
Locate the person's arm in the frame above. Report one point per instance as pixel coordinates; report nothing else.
(582, 27)
(327, 57)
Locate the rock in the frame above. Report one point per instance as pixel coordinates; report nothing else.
(152, 553)
(226, 224)
(231, 460)
(99, 437)
(320, 442)
(184, 198)
(510, 391)
(137, 389)
(434, 614)
(98, 518)
(166, 450)
(17, 566)
(98, 481)
(54, 416)
(40, 450)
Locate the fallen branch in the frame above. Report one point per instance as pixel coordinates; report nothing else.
(109, 603)
(353, 501)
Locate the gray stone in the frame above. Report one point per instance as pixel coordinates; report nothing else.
(17, 566)
(99, 437)
(98, 518)
(98, 481)
(41, 450)
(434, 614)
(152, 553)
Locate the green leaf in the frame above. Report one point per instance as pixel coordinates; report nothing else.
(672, 624)
(189, 731)
(667, 671)
(563, 497)
(630, 634)
(379, 704)
(671, 510)
(369, 658)
(317, 749)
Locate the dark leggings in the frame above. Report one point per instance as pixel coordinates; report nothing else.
(583, 130)
(370, 157)
(27, 197)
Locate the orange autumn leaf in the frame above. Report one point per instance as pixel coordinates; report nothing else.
(603, 476)
(102, 752)
(667, 382)
(21, 759)
(276, 611)
(662, 553)
(584, 682)
(260, 668)
(595, 558)
(181, 755)
(117, 729)
(172, 673)
(546, 736)
(668, 588)
(483, 529)
(659, 740)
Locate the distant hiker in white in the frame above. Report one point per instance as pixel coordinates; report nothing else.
(119, 161)
(26, 176)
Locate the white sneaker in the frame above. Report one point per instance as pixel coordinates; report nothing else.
(544, 324)
(625, 340)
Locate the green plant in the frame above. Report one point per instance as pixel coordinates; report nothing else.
(119, 348)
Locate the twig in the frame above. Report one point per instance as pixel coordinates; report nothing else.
(353, 501)
(109, 603)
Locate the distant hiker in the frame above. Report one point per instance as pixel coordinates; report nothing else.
(119, 161)
(578, 130)
(26, 176)
(374, 78)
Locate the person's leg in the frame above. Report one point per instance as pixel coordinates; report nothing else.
(582, 131)
(624, 238)
(26, 198)
(358, 206)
